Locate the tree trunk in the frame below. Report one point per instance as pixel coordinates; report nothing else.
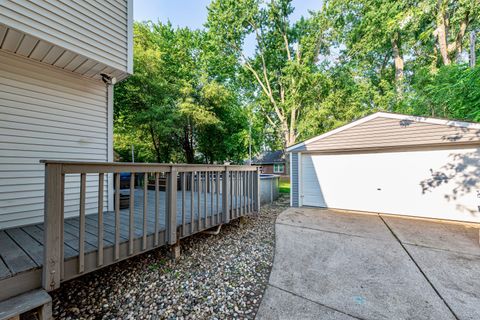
(473, 40)
(442, 32)
(188, 146)
(399, 64)
(155, 145)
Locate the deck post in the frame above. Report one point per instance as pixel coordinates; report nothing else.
(53, 226)
(172, 206)
(225, 195)
(256, 189)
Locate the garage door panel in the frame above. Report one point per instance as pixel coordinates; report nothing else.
(436, 183)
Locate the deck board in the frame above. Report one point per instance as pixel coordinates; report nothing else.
(90, 232)
(14, 257)
(108, 231)
(31, 247)
(109, 223)
(4, 272)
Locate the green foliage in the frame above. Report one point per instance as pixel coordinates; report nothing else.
(282, 78)
(284, 185)
(196, 97)
(179, 105)
(453, 92)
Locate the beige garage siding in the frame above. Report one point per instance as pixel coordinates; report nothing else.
(45, 114)
(94, 29)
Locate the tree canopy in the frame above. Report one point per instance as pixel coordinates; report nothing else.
(196, 96)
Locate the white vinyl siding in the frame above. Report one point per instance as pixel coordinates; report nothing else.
(441, 184)
(46, 113)
(97, 30)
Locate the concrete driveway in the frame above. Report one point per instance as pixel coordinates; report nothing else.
(342, 265)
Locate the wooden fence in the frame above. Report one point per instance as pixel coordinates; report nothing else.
(197, 197)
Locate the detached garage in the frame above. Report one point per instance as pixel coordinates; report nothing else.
(392, 163)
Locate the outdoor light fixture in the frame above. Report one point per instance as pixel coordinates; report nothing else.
(108, 79)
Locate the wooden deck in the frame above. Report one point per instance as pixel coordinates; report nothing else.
(22, 250)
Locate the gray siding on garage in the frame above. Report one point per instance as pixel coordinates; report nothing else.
(95, 29)
(294, 179)
(46, 113)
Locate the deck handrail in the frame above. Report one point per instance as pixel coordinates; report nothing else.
(237, 186)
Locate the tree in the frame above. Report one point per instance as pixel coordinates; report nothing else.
(284, 65)
(453, 18)
(453, 92)
(179, 98)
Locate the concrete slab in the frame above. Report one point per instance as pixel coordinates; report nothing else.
(455, 275)
(279, 304)
(367, 278)
(362, 225)
(446, 236)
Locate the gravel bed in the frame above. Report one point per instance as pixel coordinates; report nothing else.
(217, 277)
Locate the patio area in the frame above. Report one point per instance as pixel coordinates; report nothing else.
(343, 265)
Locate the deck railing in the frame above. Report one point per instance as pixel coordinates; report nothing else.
(195, 198)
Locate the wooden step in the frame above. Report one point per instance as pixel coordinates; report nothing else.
(37, 299)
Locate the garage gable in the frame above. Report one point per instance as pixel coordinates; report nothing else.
(386, 130)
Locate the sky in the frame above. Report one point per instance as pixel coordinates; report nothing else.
(193, 13)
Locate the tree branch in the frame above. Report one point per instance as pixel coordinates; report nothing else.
(456, 46)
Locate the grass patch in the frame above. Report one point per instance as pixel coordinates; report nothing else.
(284, 185)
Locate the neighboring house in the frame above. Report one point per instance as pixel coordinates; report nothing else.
(392, 163)
(271, 162)
(58, 63)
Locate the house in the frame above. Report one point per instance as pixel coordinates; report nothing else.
(60, 191)
(59, 61)
(394, 164)
(271, 162)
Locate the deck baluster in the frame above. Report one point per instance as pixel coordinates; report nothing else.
(250, 194)
(192, 214)
(117, 216)
(217, 197)
(182, 175)
(199, 199)
(157, 207)
(244, 189)
(81, 227)
(210, 181)
(131, 225)
(237, 193)
(145, 210)
(205, 192)
(101, 179)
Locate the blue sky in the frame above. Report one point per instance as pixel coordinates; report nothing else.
(193, 13)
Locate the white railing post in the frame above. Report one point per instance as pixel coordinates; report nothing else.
(53, 226)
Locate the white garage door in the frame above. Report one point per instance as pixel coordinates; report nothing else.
(442, 184)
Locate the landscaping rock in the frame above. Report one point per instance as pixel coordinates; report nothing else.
(217, 277)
